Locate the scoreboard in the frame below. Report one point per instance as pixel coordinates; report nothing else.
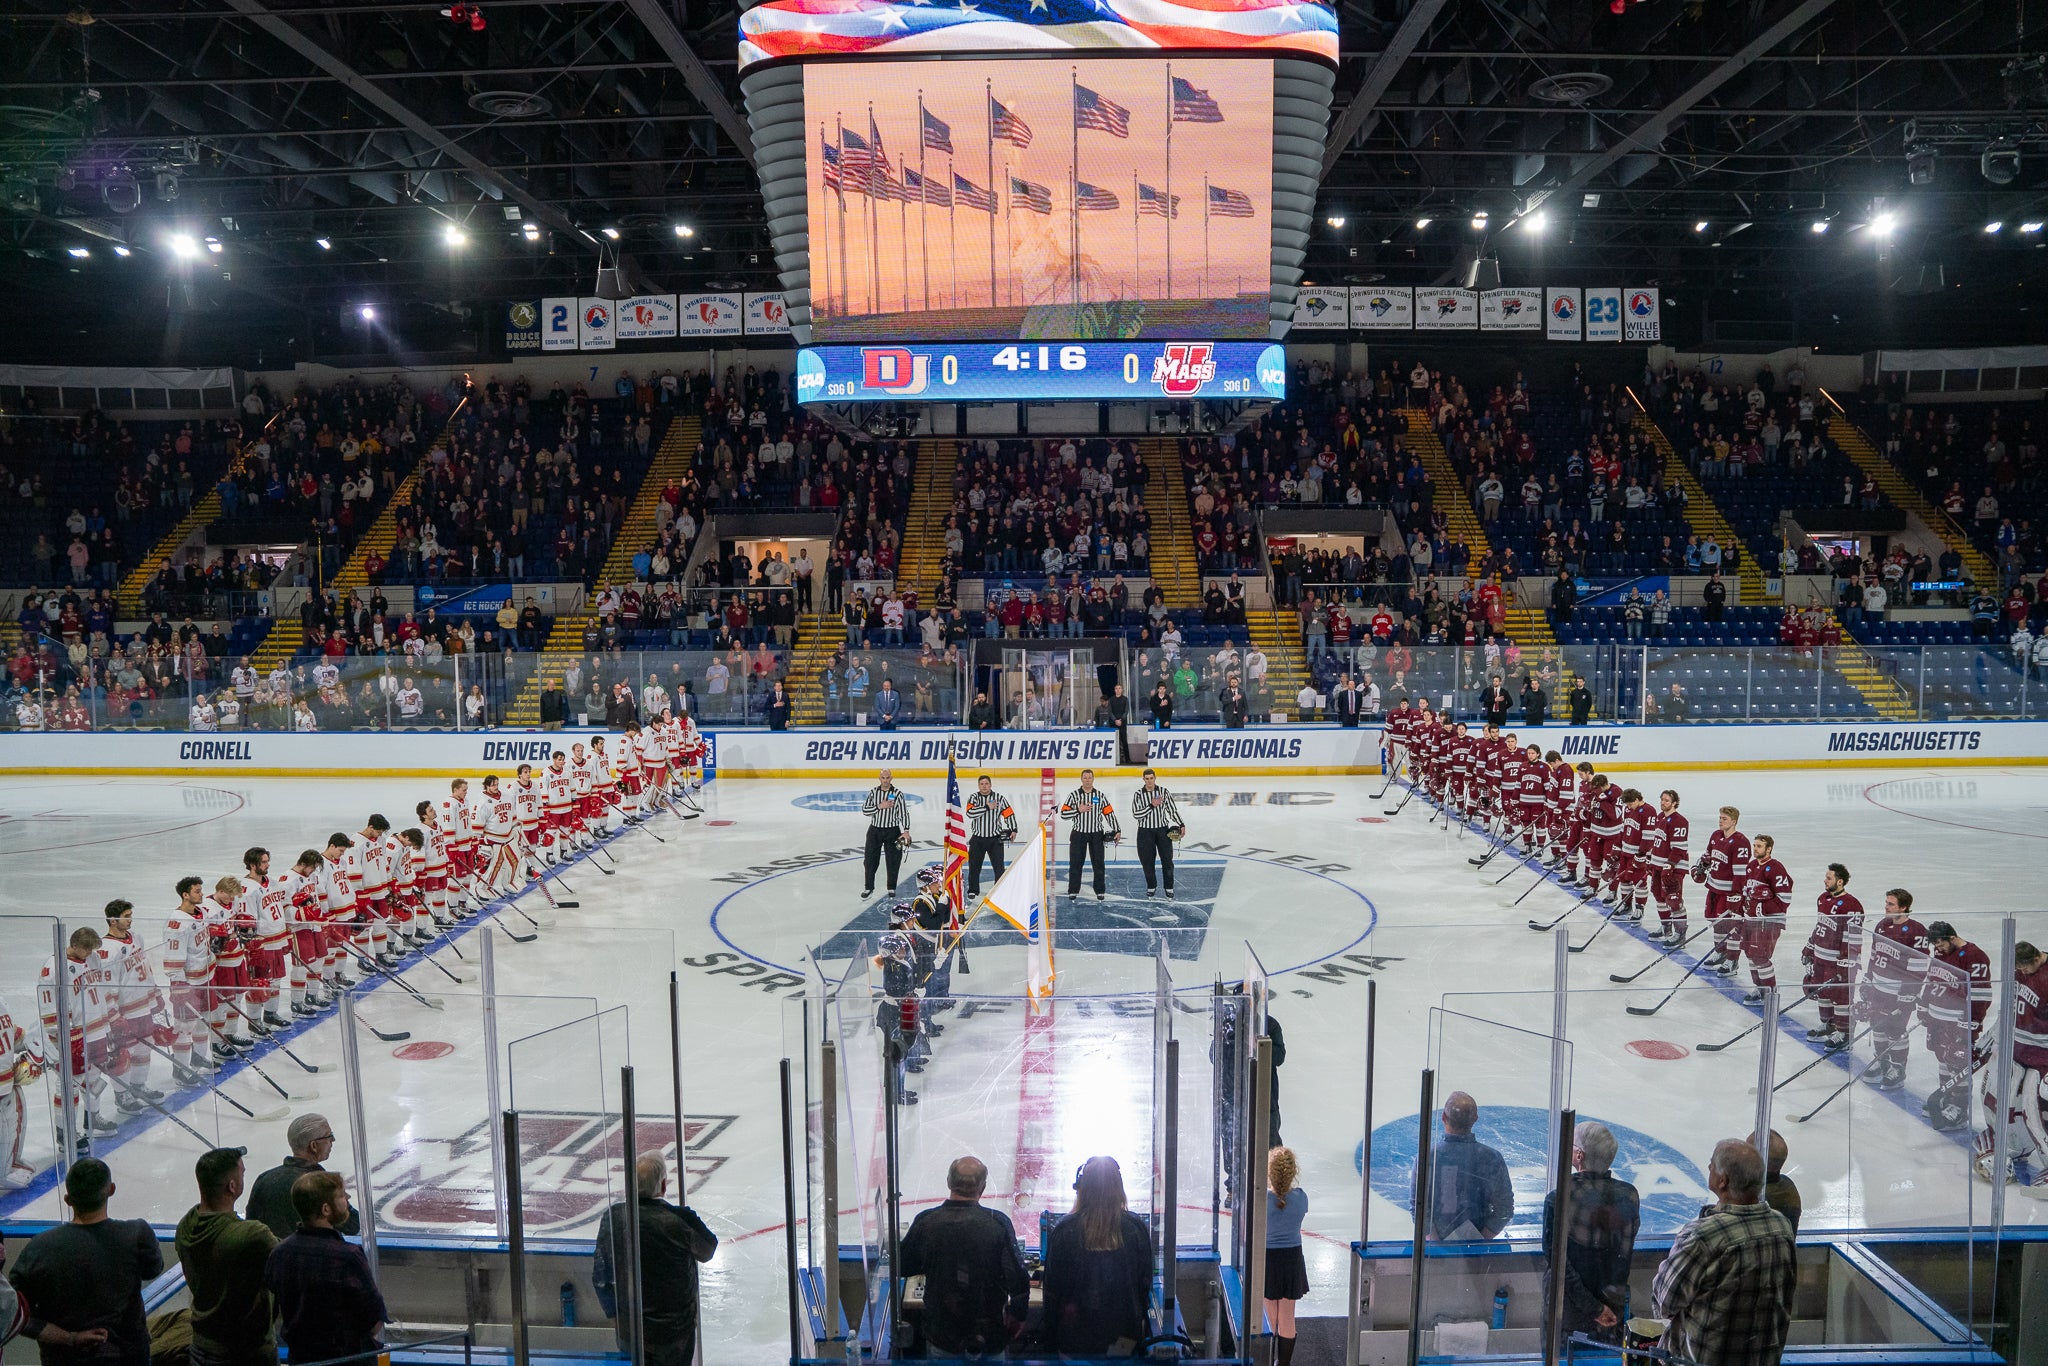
(1015, 371)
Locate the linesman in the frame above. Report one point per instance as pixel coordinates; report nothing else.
(991, 823)
(1159, 825)
(1094, 822)
(888, 814)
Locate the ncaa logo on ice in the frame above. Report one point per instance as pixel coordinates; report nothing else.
(894, 370)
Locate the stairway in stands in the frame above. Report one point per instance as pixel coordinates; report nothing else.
(1528, 627)
(636, 533)
(1174, 566)
(924, 525)
(1903, 493)
(1702, 517)
(817, 635)
(1277, 631)
(128, 597)
(1862, 671)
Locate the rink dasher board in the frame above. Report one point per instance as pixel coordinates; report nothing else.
(857, 753)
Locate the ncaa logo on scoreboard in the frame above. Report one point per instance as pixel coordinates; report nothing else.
(1184, 369)
(894, 370)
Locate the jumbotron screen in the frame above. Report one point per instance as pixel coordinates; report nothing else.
(1106, 198)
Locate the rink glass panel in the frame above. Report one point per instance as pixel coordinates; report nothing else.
(565, 1084)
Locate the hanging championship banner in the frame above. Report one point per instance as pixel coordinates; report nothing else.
(1322, 309)
(1564, 315)
(710, 315)
(1603, 315)
(647, 316)
(1641, 317)
(596, 325)
(767, 315)
(1437, 309)
(522, 325)
(1383, 310)
(1511, 310)
(558, 324)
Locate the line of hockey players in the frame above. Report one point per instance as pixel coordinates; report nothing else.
(1627, 854)
(246, 956)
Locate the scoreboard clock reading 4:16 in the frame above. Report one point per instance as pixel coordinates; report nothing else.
(1017, 371)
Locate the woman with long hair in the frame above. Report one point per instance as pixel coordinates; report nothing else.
(1098, 1268)
(1286, 1272)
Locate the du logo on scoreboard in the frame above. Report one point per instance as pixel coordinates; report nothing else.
(894, 370)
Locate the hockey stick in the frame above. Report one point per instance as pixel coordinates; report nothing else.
(445, 971)
(1697, 964)
(1605, 921)
(1542, 877)
(1393, 774)
(403, 985)
(135, 1093)
(1617, 977)
(387, 1035)
(1718, 1047)
(260, 1116)
(1549, 925)
(1853, 1079)
(310, 1067)
(1395, 810)
(267, 1078)
(1826, 1054)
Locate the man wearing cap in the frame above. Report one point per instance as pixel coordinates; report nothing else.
(223, 1256)
(83, 1280)
(270, 1199)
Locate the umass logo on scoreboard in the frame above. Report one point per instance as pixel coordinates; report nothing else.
(1184, 369)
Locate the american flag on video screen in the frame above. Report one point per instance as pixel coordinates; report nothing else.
(930, 189)
(1096, 111)
(1228, 203)
(937, 135)
(1153, 201)
(1006, 125)
(1032, 195)
(973, 197)
(831, 159)
(856, 158)
(956, 839)
(796, 28)
(1095, 198)
(1192, 104)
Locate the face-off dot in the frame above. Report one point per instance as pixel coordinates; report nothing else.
(1657, 1050)
(426, 1050)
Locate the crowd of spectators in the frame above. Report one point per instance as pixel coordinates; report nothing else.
(1980, 465)
(1040, 509)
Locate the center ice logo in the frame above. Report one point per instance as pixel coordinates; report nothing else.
(1184, 369)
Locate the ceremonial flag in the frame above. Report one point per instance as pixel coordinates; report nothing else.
(937, 135)
(1194, 105)
(1008, 127)
(1094, 198)
(1019, 897)
(1035, 197)
(1154, 201)
(1228, 203)
(833, 181)
(930, 189)
(956, 842)
(1095, 111)
(973, 197)
(856, 159)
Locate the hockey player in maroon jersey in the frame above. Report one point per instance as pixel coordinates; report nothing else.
(1564, 796)
(1599, 828)
(2026, 1138)
(1765, 895)
(1831, 955)
(1534, 798)
(1724, 868)
(1952, 1008)
(1628, 882)
(1665, 839)
(1899, 957)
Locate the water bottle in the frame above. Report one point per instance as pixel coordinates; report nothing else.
(1500, 1307)
(569, 1304)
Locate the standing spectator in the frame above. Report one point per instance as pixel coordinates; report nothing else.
(672, 1241)
(1726, 1286)
(1564, 596)
(976, 1292)
(1713, 597)
(1600, 1242)
(1286, 1269)
(222, 1256)
(778, 708)
(1580, 700)
(83, 1280)
(1471, 1197)
(1495, 703)
(328, 1304)
(311, 1139)
(1535, 702)
(554, 705)
(1779, 1191)
(888, 706)
(1098, 1268)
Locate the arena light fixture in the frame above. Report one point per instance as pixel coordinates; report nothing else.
(1335, 220)
(1479, 221)
(2032, 225)
(323, 243)
(1421, 223)
(1820, 226)
(184, 245)
(79, 252)
(531, 232)
(122, 251)
(1700, 226)
(1535, 222)
(368, 313)
(612, 233)
(685, 230)
(456, 237)
(213, 245)
(1995, 225)
(1884, 224)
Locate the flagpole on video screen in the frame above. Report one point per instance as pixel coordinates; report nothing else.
(924, 232)
(988, 112)
(1169, 180)
(1137, 261)
(1074, 186)
(1205, 235)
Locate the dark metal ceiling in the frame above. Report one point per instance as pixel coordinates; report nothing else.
(272, 127)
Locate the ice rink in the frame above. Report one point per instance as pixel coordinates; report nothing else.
(1326, 888)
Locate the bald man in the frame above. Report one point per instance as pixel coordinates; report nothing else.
(1726, 1286)
(1471, 1197)
(673, 1240)
(976, 1293)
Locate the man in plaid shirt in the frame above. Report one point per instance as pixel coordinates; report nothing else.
(1726, 1286)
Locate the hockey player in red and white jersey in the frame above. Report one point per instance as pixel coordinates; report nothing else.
(229, 1014)
(502, 863)
(455, 817)
(632, 775)
(340, 909)
(653, 748)
(1766, 894)
(1831, 955)
(585, 811)
(133, 1006)
(188, 972)
(266, 908)
(1724, 868)
(411, 919)
(1669, 845)
(437, 867)
(689, 746)
(527, 802)
(558, 803)
(306, 933)
(87, 1024)
(604, 788)
(376, 866)
(19, 1065)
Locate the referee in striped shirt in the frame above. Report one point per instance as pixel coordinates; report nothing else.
(1157, 816)
(991, 822)
(1094, 822)
(888, 832)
